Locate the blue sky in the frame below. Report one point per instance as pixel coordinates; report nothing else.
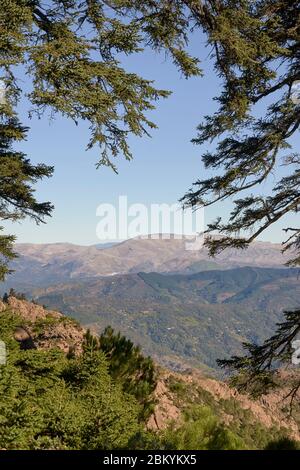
(163, 167)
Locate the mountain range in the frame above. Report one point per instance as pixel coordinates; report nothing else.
(182, 307)
(45, 264)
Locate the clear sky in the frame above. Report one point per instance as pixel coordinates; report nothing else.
(163, 168)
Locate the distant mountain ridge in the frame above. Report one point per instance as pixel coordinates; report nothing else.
(60, 262)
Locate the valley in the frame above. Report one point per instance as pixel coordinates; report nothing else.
(181, 317)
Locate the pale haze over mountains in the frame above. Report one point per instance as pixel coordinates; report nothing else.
(39, 264)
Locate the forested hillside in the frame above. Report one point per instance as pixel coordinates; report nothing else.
(194, 319)
(64, 388)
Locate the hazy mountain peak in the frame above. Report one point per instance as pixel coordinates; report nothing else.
(62, 261)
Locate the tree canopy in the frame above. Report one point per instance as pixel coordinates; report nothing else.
(71, 51)
(51, 401)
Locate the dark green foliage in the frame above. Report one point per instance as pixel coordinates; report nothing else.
(72, 51)
(48, 401)
(283, 444)
(127, 364)
(146, 440)
(17, 179)
(17, 175)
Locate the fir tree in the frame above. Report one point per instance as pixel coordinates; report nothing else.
(17, 178)
(130, 367)
(50, 401)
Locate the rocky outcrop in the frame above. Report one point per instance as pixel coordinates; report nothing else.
(65, 335)
(165, 410)
(44, 329)
(30, 311)
(266, 410)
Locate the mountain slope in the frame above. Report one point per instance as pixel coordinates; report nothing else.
(61, 401)
(194, 319)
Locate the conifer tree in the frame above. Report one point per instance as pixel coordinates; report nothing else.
(130, 367)
(270, 365)
(50, 401)
(17, 178)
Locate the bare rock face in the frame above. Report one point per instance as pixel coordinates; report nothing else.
(165, 410)
(267, 410)
(30, 311)
(45, 329)
(65, 335)
(21, 334)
